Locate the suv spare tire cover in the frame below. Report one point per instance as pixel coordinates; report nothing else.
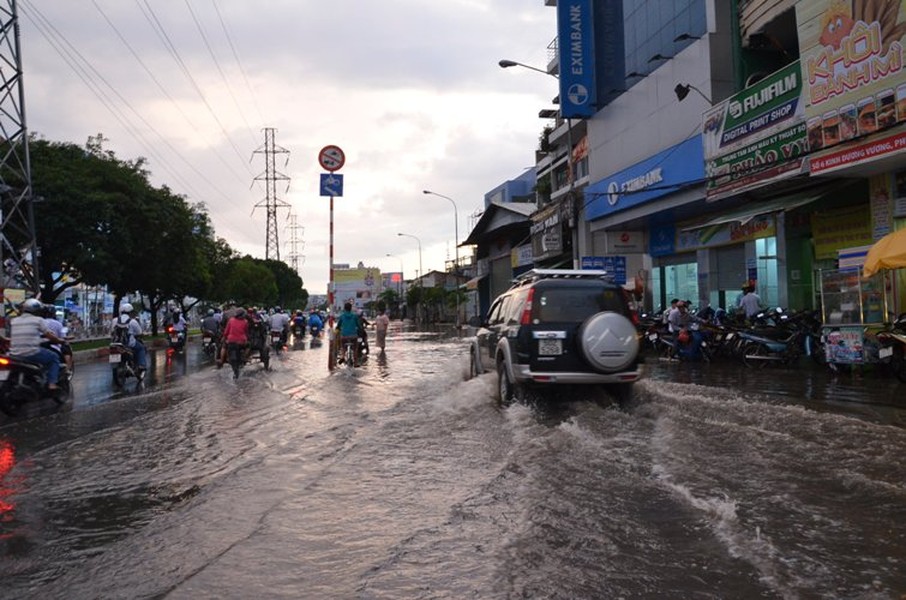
(609, 341)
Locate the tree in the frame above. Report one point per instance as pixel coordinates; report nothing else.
(290, 292)
(251, 283)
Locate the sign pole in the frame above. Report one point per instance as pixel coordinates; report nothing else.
(331, 355)
(332, 159)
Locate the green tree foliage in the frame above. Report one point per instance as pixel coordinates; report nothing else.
(290, 293)
(251, 283)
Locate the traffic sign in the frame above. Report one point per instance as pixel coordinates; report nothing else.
(331, 158)
(331, 185)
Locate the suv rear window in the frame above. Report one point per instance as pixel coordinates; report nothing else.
(575, 304)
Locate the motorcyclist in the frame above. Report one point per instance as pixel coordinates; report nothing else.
(348, 330)
(133, 335)
(210, 325)
(59, 330)
(279, 323)
(299, 323)
(179, 322)
(27, 331)
(236, 334)
(315, 323)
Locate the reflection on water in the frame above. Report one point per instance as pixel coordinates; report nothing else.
(868, 391)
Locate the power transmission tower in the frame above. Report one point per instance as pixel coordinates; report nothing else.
(271, 202)
(18, 246)
(294, 241)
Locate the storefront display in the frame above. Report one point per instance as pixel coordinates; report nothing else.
(853, 310)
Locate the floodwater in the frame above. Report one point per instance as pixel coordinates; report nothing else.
(401, 479)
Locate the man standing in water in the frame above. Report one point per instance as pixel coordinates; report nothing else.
(381, 323)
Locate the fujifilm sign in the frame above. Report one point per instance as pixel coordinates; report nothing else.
(765, 95)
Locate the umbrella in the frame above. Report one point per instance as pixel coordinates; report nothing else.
(889, 252)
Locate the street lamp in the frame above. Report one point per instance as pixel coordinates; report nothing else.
(506, 63)
(456, 223)
(420, 272)
(456, 241)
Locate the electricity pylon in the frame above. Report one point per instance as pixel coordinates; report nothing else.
(271, 202)
(294, 241)
(18, 246)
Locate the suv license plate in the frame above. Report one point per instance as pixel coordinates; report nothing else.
(885, 352)
(550, 347)
(4, 374)
(115, 358)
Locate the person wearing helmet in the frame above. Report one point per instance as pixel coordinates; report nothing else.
(279, 323)
(59, 330)
(235, 335)
(27, 332)
(132, 329)
(210, 325)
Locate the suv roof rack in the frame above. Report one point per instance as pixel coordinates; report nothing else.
(536, 274)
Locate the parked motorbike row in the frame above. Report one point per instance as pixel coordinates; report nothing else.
(773, 337)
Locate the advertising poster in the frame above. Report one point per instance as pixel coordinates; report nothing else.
(757, 135)
(840, 228)
(852, 68)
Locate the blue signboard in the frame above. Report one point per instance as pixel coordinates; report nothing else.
(664, 173)
(662, 240)
(331, 184)
(575, 37)
(614, 265)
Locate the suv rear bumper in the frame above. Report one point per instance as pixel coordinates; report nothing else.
(524, 374)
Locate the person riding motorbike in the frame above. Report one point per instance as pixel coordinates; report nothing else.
(348, 328)
(315, 324)
(59, 330)
(210, 325)
(132, 335)
(27, 332)
(299, 324)
(279, 323)
(235, 335)
(178, 322)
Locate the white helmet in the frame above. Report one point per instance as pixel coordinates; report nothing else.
(33, 306)
(125, 308)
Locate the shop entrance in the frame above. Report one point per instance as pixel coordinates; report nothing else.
(674, 277)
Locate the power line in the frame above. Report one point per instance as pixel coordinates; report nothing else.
(223, 77)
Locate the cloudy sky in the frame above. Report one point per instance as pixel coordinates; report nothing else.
(409, 89)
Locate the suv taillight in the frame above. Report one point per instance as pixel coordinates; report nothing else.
(4, 361)
(526, 318)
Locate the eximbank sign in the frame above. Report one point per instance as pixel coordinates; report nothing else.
(575, 37)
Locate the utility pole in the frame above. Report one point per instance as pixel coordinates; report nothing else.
(18, 245)
(271, 202)
(294, 241)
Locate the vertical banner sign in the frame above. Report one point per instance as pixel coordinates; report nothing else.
(576, 42)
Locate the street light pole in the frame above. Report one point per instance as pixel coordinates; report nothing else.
(570, 172)
(420, 272)
(456, 242)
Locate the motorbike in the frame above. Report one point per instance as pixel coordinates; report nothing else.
(892, 350)
(210, 342)
(277, 340)
(298, 330)
(122, 362)
(316, 330)
(176, 340)
(22, 381)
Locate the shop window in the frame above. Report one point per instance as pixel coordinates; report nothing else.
(766, 263)
(675, 281)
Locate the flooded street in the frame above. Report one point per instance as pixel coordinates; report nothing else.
(403, 480)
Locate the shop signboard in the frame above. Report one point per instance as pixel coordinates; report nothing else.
(722, 234)
(664, 173)
(521, 256)
(840, 228)
(625, 242)
(614, 265)
(755, 136)
(852, 70)
(546, 231)
(577, 64)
